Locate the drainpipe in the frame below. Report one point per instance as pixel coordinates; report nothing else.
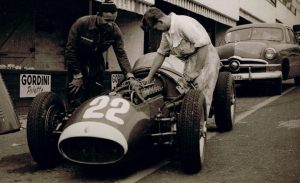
(90, 7)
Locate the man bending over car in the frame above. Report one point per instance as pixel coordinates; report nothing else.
(185, 38)
(88, 38)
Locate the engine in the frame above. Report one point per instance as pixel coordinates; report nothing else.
(139, 93)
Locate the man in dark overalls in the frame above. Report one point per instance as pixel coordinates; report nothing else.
(88, 38)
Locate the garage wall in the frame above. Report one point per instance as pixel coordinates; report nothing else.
(283, 14)
(133, 36)
(16, 33)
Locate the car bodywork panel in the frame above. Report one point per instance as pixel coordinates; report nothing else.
(9, 121)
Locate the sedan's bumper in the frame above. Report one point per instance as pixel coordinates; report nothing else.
(251, 69)
(257, 76)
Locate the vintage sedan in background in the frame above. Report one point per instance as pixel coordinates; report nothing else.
(261, 52)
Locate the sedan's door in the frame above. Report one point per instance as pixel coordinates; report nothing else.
(294, 55)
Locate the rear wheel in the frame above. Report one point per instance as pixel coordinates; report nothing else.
(192, 131)
(224, 102)
(43, 118)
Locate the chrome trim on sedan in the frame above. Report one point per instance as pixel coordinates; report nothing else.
(252, 75)
(257, 76)
(244, 59)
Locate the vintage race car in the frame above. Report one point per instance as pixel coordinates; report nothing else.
(106, 128)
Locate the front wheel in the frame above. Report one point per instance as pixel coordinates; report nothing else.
(192, 131)
(224, 102)
(43, 119)
(297, 81)
(276, 87)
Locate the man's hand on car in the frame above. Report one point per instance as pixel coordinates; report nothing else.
(76, 84)
(147, 80)
(134, 82)
(185, 83)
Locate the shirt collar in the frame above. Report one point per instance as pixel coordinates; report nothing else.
(95, 23)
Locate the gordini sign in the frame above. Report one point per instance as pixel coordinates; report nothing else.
(32, 84)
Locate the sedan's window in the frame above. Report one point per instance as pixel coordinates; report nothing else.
(255, 33)
(270, 34)
(238, 35)
(292, 36)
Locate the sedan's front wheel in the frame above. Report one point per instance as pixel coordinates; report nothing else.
(276, 87)
(297, 81)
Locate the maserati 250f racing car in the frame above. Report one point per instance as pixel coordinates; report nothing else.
(104, 129)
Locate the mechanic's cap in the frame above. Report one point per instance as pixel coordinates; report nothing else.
(108, 6)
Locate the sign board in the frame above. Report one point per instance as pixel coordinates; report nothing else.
(33, 84)
(115, 79)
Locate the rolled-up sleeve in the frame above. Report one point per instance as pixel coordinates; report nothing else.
(120, 52)
(164, 47)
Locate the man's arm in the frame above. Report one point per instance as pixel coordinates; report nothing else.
(158, 61)
(71, 58)
(162, 52)
(71, 51)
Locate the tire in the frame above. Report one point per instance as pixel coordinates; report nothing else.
(297, 81)
(224, 102)
(191, 130)
(276, 87)
(41, 122)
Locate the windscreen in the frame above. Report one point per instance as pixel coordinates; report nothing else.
(256, 33)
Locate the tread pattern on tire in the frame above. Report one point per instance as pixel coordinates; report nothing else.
(42, 143)
(193, 107)
(222, 102)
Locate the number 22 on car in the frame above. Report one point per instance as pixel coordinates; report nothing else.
(115, 106)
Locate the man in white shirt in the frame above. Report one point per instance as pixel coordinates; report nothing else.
(185, 38)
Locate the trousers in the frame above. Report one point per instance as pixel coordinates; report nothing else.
(208, 75)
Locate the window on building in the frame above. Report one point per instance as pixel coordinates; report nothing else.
(289, 5)
(286, 2)
(293, 9)
(273, 2)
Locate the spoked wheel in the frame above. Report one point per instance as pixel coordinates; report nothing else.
(192, 131)
(43, 118)
(224, 102)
